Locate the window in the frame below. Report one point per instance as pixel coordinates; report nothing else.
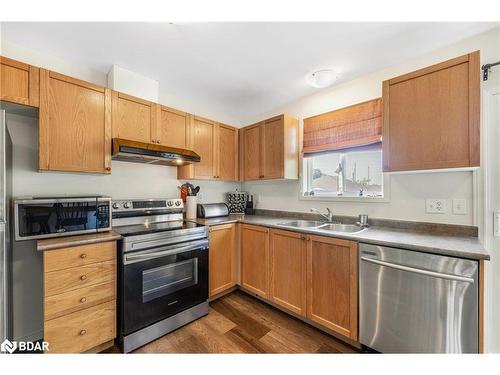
(355, 172)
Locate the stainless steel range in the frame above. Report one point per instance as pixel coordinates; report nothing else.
(163, 274)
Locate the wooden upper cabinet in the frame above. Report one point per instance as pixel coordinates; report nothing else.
(204, 145)
(133, 118)
(217, 145)
(431, 117)
(19, 82)
(251, 152)
(255, 259)
(222, 258)
(332, 283)
(273, 150)
(288, 270)
(270, 149)
(172, 128)
(227, 152)
(74, 125)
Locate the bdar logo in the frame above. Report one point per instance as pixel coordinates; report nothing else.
(8, 347)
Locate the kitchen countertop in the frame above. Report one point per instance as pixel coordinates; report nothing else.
(452, 245)
(70, 241)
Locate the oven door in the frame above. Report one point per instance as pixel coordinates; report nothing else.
(160, 282)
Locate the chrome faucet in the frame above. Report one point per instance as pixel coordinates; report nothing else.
(328, 216)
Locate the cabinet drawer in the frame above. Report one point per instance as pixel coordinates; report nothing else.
(61, 281)
(78, 299)
(82, 330)
(79, 256)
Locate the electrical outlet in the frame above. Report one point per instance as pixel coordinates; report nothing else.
(199, 197)
(459, 207)
(435, 206)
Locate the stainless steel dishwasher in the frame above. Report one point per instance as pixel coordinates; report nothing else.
(413, 302)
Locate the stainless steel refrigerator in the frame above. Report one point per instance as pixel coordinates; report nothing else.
(5, 225)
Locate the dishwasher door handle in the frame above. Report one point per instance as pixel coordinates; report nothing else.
(419, 271)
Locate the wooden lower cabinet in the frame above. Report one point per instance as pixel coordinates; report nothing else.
(81, 330)
(288, 270)
(332, 284)
(312, 276)
(255, 259)
(222, 258)
(80, 297)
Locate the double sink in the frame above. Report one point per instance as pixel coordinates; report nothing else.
(323, 226)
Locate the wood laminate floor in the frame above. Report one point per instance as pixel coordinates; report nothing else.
(239, 323)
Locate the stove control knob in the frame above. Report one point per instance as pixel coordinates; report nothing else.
(177, 203)
(126, 205)
(116, 205)
(169, 203)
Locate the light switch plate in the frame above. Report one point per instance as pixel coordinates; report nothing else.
(496, 223)
(459, 206)
(435, 206)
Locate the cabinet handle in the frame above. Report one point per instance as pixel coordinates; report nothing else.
(83, 332)
(302, 237)
(108, 168)
(83, 300)
(83, 277)
(83, 256)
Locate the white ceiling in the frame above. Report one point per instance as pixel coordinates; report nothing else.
(237, 70)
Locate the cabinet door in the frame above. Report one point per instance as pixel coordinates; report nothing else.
(227, 153)
(288, 270)
(133, 118)
(255, 259)
(252, 139)
(19, 82)
(332, 284)
(204, 145)
(222, 258)
(74, 125)
(172, 128)
(273, 149)
(431, 117)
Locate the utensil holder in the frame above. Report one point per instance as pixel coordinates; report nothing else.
(191, 207)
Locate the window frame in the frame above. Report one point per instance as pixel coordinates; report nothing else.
(305, 176)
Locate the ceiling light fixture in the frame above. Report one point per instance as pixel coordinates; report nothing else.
(322, 78)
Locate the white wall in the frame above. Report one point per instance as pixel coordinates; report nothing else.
(409, 191)
(407, 197)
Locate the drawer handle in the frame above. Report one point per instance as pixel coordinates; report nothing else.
(83, 332)
(83, 300)
(83, 277)
(83, 256)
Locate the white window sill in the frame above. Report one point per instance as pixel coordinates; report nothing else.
(344, 198)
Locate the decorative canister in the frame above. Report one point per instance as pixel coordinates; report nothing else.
(236, 202)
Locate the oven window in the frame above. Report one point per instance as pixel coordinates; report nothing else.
(164, 280)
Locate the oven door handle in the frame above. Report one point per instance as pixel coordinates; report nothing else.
(158, 254)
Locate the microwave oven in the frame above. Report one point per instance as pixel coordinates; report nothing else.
(46, 217)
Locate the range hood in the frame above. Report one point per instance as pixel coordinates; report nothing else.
(149, 153)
